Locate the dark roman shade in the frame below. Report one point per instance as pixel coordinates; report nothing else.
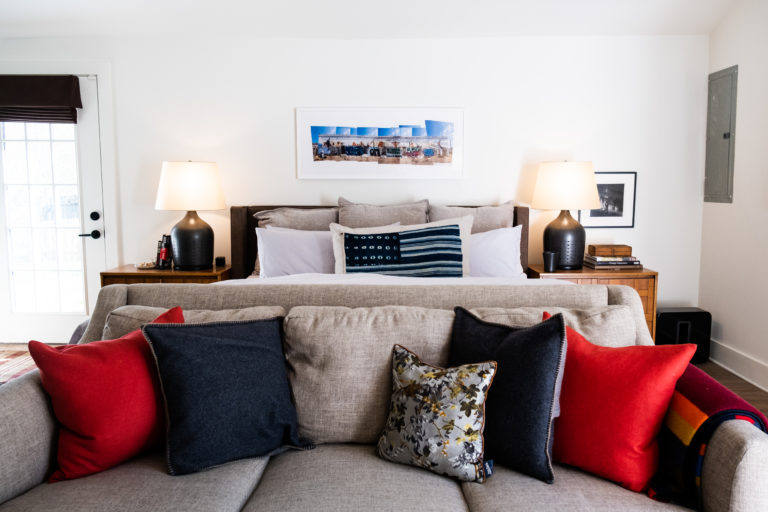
(39, 98)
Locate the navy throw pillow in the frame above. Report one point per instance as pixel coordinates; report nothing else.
(226, 392)
(524, 398)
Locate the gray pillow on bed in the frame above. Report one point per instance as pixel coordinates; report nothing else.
(486, 218)
(306, 219)
(360, 215)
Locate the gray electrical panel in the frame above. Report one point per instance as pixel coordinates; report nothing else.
(721, 136)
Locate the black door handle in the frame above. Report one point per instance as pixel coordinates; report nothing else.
(95, 234)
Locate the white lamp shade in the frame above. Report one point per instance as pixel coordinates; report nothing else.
(189, 186)
(565, 186)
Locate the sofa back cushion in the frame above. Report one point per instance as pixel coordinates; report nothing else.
(339, 363)
(607, 326)
(125, 319)
(339, 359)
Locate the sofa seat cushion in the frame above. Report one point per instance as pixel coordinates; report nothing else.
(143, 484)
(342, 477)
(573, 490)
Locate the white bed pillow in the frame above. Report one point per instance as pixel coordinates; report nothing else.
(399, 268)
(287, 251)
(496, 253)
(284, 251)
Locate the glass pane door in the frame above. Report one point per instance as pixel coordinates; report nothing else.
(42, 217)
(50, 184)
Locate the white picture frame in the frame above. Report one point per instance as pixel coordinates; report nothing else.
(379, 143)
(617, 191)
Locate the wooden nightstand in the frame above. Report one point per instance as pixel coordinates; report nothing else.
(128, 274)
(645, 281)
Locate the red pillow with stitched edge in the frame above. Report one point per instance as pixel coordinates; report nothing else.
(612, 403)
(106, 397)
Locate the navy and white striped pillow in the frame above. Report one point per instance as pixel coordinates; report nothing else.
(427, 252)
(413, 251)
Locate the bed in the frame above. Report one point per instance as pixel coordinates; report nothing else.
(245, 247)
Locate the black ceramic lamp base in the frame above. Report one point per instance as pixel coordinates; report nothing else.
(192, 243)
(566, 237)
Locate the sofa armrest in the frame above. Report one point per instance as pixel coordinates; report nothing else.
(622, 294)
(735, 471)
(110, 297)
(27, 435)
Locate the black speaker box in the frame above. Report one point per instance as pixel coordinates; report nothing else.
(685, 325)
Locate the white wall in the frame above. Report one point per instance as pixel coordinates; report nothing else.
(626, 103)
(734, 286)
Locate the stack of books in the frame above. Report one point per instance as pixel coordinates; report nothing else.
(611, 257)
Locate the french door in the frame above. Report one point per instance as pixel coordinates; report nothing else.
(52, 246)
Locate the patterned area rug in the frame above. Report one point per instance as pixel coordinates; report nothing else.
(14, 363)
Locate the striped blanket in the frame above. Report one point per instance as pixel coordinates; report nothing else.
(15, 363)
(699, 405)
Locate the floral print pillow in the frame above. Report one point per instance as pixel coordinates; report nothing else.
(437, 415)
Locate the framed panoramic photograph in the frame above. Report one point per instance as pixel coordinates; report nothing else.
(379, 143)
(617, 201)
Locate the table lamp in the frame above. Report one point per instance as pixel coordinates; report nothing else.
(190, 186)
(565, 186)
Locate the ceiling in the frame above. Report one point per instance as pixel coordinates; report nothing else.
(343, 19)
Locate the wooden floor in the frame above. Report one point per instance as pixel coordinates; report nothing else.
(749, 392)
(13, 346)
(744, 389)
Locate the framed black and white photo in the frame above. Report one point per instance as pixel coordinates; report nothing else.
(617, 201)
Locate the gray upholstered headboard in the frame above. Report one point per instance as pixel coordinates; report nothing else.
(243, 233)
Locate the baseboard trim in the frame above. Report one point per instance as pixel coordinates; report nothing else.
(740, 364)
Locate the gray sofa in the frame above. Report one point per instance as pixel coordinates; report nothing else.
(344, 472)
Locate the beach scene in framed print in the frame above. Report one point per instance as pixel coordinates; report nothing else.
(379, 143)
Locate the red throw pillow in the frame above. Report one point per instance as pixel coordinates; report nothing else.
(612, 404)
(106, 396)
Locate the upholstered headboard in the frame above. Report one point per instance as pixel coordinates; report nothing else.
(243, 233)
